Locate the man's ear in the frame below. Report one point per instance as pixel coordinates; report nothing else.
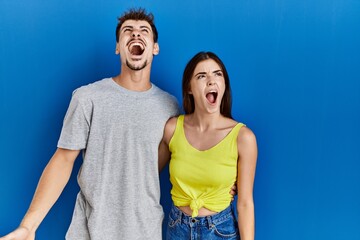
(156, 49)
(117, 49)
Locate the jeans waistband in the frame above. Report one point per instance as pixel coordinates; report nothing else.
(217, 218)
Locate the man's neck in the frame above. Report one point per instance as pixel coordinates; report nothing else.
(134, 80)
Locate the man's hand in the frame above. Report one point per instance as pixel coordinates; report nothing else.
(233, 192)
(52, 182)
(21, 233)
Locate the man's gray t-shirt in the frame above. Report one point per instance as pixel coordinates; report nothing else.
(120, 131)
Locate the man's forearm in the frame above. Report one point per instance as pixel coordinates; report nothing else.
(52, 182)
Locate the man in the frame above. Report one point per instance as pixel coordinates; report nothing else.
(118, 122)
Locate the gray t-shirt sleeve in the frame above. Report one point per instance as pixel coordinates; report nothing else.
(175, 109)
(76, 125)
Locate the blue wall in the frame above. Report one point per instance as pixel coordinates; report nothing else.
(295, 73)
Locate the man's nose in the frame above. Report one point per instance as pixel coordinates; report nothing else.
(135, 34)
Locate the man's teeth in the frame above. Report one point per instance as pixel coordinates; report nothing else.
(137, 44)
(136, 48)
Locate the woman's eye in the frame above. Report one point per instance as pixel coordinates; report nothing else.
(219, 74)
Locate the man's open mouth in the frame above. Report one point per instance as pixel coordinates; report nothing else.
(136, 48)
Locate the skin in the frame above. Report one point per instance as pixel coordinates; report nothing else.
(205, 128)
(135, 32)
(57, 172)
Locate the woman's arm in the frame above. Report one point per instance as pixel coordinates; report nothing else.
(52, 182)
(164, 153)
(247, 149)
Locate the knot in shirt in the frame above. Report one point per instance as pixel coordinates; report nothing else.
(195, 205)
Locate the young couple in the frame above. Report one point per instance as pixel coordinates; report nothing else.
(119, 123)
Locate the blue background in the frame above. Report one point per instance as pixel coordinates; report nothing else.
(295, 72)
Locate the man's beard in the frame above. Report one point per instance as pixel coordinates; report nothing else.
(132, 67)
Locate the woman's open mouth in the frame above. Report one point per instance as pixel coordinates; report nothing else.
(212, 96)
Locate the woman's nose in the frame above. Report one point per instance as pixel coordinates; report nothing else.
(210, 82)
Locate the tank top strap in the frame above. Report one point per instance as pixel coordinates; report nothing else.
(179, 130)
(234, 132)
(177, 137)
(180, 121)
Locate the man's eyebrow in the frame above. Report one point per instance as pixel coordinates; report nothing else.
(131, 27)
(145, 27)
(127, 26)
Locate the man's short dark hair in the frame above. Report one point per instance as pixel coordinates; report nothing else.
(138, 14)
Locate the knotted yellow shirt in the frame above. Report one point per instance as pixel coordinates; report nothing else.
(202, 178)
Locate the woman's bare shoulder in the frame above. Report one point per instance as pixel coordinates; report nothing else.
(169, 130)
(246, 139)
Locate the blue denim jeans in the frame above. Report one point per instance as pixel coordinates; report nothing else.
(222, 225)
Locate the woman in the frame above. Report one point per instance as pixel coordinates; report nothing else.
(208, 152)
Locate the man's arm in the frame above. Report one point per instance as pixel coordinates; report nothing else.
(52, 182)
(164, 155)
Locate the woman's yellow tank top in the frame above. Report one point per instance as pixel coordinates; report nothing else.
(202, 178)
